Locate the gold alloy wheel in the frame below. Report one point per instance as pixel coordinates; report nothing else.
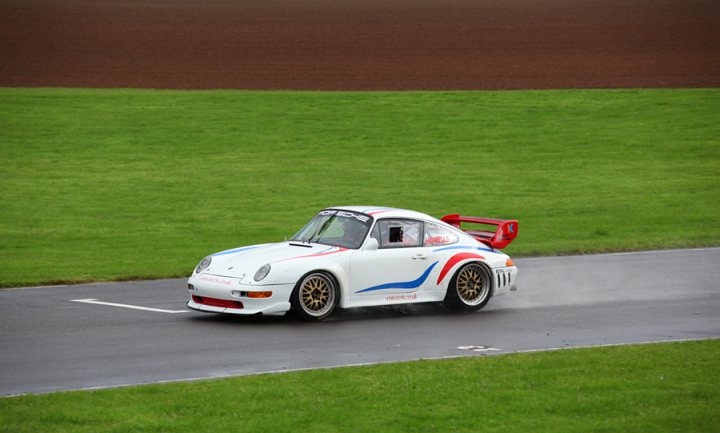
(317, 294)
(472, 286)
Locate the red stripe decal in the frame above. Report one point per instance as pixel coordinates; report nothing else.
(317, 254)
(454, 260)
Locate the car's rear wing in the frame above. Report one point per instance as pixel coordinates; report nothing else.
(503, 235)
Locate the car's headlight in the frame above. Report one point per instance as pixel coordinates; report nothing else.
(262, 272)
(204, 264)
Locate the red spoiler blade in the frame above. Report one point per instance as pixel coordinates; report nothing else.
(506, 230)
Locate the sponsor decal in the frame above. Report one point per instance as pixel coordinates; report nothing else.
(398, 298)
(362, 218)
(346, 214)
(215, 280)
(437, 240)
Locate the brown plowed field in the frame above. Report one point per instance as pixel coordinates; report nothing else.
(360, 44)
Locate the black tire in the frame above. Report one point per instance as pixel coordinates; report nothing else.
(470, 288)
(315, 296)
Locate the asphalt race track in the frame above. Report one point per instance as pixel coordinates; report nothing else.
(52, 342)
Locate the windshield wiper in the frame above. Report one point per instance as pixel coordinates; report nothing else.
(321, 230)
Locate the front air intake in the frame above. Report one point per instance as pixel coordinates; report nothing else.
(214, 302)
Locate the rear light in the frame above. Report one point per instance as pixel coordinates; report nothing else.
(214, 302)
(259, 295)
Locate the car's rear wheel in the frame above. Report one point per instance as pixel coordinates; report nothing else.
(315, 296)
(470, 288)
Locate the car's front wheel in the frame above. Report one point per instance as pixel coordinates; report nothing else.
(315, 296)
(470, 288)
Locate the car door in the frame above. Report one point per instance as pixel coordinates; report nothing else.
(400, 266)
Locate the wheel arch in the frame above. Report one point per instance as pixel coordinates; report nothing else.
(455, 301)
(321, 271)
(333, 270)
(312, 304)
(450, 278)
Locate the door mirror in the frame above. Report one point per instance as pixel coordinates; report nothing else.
(372, 245)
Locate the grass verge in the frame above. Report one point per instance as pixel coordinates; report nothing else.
(660, 388)
(117, 184)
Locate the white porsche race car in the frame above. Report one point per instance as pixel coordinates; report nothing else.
(360, 256)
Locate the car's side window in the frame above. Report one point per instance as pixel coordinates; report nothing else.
(375, 233)
(437, 235)
(398, 233)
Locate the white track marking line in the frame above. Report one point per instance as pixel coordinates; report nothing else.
(133, 307)
(479, 348)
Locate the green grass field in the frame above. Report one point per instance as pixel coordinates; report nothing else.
(649, 388)
(114, 184)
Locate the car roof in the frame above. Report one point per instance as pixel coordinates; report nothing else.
(386, 212)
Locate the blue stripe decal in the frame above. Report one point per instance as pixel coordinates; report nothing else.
(460, 247)
(402, 284)
(236, 250)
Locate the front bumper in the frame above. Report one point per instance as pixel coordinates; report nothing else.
(216, 294)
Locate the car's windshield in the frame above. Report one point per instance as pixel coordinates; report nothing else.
(335, 227)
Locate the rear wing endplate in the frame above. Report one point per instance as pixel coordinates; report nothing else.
(505, 232)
